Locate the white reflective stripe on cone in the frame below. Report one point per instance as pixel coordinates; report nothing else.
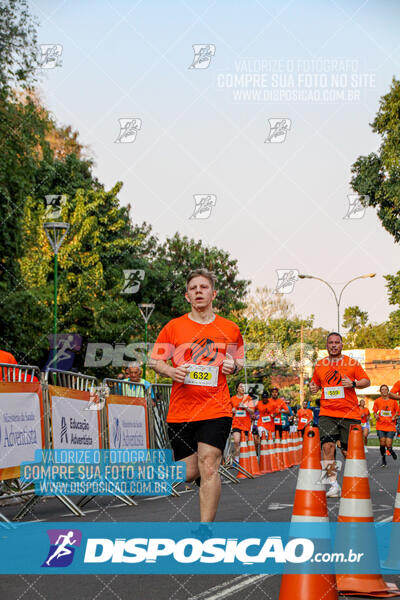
(355, 507)
(308, 480)
(355, 467)
(302, 519)
(397, 501)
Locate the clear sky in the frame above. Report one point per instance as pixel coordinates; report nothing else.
(279, 204)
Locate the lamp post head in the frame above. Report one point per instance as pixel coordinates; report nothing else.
(55, 232)
(146, 310)
(302, 276)
(368, 275)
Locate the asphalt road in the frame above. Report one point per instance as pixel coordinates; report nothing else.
(267, 498)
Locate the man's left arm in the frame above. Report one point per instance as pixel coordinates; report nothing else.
(360, 380)
(234, 357)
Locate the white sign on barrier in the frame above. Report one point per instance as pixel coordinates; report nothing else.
(20, 428)
(127, 426)
(73, 426)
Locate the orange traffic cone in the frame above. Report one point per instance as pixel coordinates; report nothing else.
(299, 446)
(244, 458)
(273, 453)
(254, 468)
(309, 505)
(393, 558)
(285, 450)
(290, 449)
(265, 458)
(356, 507)
(278, 446)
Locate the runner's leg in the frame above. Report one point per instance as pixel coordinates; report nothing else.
(209, 460)
(236, 443)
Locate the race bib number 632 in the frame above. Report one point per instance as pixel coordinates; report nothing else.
(202, 375)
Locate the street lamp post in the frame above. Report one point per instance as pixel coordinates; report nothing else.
(337, 299)
(145, 311)
(56, 233)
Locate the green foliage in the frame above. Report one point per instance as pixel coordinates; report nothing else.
(18, 45)
(378, 174)
(354, 318)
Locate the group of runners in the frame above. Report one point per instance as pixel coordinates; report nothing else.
(271, 415)
(200, 349)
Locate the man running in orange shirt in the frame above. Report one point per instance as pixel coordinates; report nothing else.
(304, 416)
(337, 375)
(385, 411)
(242, 411)
(365, 415)
(265, 421)
(204, 348)
(280, 406)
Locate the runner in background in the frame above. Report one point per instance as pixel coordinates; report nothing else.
(304, 416)
(204, 348)
(316, 410)
(280, 407)
(242, 411)
(337, 375)
(265, 422)
(365, 416)
(386, 411)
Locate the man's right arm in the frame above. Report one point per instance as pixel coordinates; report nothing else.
(394, 394)
(315, 383)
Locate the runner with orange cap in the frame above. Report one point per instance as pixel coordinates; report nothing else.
(385, 411)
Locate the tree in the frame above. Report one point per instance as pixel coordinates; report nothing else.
(354, 318)
(18, 45)
(377, 176)
(176, 257)
(266, 305)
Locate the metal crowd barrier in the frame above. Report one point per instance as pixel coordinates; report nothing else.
(18, 373)
(161, 393)
(69, 379)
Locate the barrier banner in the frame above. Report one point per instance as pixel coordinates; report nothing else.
(128, 425)
(21, 426)
(194, 548)
(73, 424)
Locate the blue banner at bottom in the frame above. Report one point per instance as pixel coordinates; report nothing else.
(198, 548)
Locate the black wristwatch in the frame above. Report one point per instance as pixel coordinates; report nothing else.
(354, 384)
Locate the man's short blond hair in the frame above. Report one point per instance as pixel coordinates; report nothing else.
(202, 273)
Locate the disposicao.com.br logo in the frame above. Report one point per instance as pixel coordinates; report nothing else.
(193, 550)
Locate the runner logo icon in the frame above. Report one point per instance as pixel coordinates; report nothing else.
(62, 547)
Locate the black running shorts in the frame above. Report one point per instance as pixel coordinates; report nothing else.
(184, 437)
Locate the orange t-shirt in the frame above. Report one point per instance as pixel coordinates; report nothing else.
(241, 419)
(396, 388)
(336, 400)
(304, 416)
(266, 417)
(279, 405)
(364, 413)
(205, 394)
(386, 411)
